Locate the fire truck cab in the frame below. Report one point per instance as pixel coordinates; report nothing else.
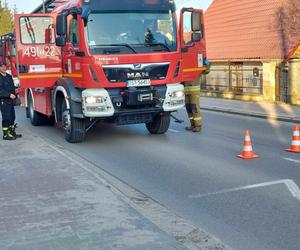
(8, 54)
(124, 62)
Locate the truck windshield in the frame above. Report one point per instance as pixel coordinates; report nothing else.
(131, 32)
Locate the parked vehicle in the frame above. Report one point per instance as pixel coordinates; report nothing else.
(115, 61)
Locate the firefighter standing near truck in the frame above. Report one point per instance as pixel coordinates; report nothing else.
(7, 99)
(192, 105)
(192, 101)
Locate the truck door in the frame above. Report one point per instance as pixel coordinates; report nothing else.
(73, 55)
(193, 46)
(39, 59)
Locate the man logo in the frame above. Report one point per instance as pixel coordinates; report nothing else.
(137, 66)
(137, 75)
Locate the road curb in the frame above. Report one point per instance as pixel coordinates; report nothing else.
(252, 114)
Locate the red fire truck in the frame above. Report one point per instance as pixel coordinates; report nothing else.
(121, 61)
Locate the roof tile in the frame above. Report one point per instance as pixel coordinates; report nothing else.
(246, 29)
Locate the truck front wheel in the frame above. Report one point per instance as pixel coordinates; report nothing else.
(35, 117)
(160, 124)
(74, 128)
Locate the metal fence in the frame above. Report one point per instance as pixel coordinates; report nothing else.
(238, 78)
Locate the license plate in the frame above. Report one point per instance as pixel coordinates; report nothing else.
(138, 83)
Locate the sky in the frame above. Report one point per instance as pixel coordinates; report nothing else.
(27, 6)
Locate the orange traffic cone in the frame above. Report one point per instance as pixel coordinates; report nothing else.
(247, 149)
(295, 147)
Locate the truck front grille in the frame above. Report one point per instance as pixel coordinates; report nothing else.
(122, 73)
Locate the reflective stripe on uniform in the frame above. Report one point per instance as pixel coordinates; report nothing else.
(193, 86)
(197, 119)
(192, 89)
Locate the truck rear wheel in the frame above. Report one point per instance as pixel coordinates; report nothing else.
(35, 117)
(74, 128)
(160, 124)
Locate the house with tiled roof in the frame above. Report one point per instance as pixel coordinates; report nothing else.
(253, 54)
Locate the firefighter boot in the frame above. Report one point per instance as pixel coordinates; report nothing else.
(7, 135)
(15, 127)
(12, 130)
(190, 115)
(197, 129)
(190, 128)
(195, 106)
(197, 123)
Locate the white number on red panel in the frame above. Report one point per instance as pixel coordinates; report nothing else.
(47, 51)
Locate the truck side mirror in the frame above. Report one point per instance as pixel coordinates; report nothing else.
(196, 22)
(60, 41)
(196, 37)
(61, 25)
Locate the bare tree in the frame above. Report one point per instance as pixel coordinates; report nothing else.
(292, 18)
(288, 25)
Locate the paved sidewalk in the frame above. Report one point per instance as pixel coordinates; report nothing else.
(51, 199)
(267, 110)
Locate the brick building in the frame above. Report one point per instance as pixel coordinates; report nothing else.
(253, 55)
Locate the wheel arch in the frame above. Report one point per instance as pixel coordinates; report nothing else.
(65, 90)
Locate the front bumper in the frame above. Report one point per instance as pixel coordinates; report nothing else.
(132, 102)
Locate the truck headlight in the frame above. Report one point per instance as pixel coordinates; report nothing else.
(177, 94)
(175, 98)
(97, 103)
(94, 99)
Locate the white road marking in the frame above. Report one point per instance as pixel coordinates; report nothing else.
(290, 184)
(293, 160)
(173, 130)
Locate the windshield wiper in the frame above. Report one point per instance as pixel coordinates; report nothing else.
(158, 44)
(116, 45)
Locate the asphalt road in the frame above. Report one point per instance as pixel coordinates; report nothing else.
(246, 204)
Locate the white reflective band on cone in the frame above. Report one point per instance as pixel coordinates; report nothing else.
(296, 133)
(296, 143)
(247, 138)
(247, 148)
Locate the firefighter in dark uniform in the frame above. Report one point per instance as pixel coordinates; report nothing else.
(192, 101)
(7, 99)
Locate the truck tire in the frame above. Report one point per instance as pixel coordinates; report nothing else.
(160, 124)
(74, 128)
(35, 117)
